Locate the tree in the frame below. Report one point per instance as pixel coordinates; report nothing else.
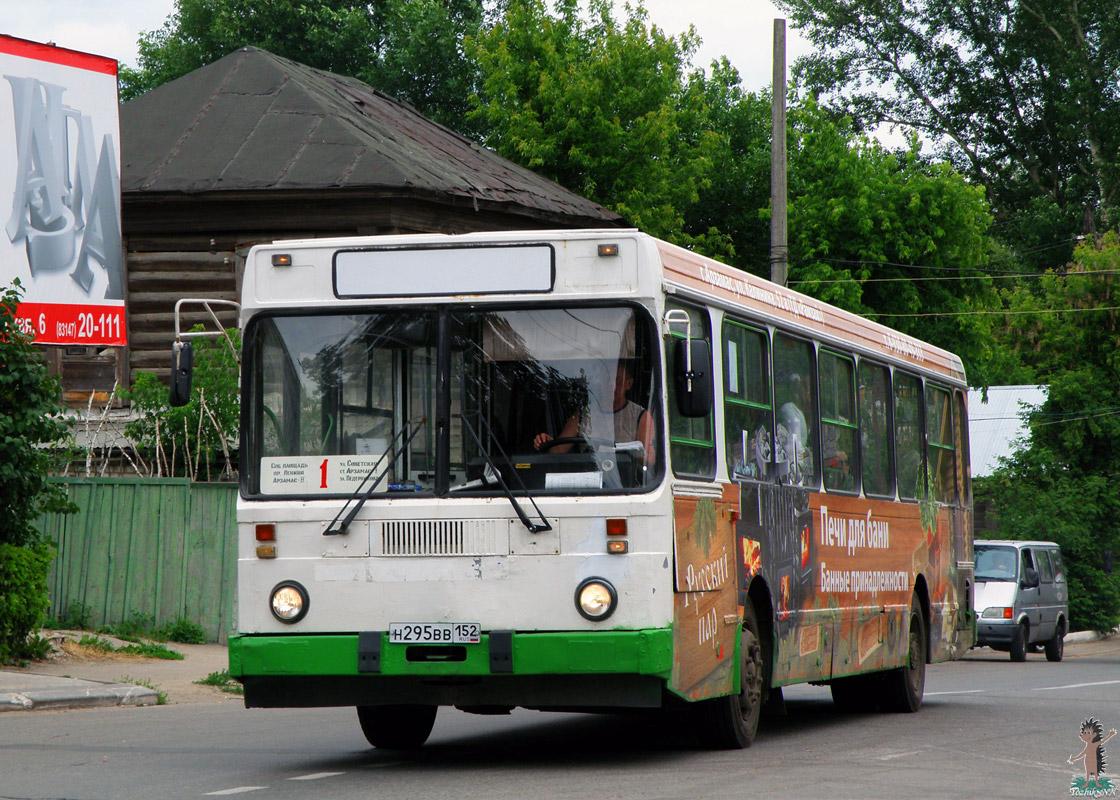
(408, 48)
(597, 105)
(194, 439)
(1063, 484)
(891, 236)
(1023, 96)
(30, 416)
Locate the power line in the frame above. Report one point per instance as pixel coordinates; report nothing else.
(970, 313)
(960, 277)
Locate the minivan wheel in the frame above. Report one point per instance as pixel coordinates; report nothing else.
(1019, 644)
(1055, 647)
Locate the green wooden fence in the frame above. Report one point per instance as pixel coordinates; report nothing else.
(163, 547)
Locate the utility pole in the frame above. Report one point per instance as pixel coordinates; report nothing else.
(779, 249)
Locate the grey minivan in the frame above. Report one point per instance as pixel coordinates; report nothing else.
(1021, 597)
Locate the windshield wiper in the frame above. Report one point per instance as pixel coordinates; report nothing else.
(406, 436)
(495, 473)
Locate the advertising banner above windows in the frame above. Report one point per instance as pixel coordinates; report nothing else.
(60, 192)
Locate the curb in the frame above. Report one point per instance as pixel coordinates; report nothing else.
(85, 695)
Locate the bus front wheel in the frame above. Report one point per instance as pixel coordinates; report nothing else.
(731, 722)
(397, 727)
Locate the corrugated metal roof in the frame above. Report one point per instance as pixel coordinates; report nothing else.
(255, 121)
(995, 428)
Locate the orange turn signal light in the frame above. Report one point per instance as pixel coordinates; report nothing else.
(266, 551)
(266, 532)
(618, 546)
(616, 527)
(281, 260)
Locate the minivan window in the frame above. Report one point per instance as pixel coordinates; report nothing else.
(995, 563)
(1059, 567)
(1045, 572)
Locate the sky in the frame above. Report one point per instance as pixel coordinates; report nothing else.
(743, 30)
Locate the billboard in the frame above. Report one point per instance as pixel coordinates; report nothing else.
(60, 192)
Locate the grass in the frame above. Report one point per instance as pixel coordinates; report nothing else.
(143, 649)
(223, 681)
(161, 696)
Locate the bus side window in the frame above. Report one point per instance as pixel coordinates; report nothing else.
(908, 436)
(692, 445)
(839, 451)
(875, 429)
(748, 418)
(939, 436)
(795, 435)
(964, 470)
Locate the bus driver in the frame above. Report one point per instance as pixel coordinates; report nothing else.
(631, 422)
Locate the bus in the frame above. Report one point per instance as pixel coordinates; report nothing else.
(585, 470)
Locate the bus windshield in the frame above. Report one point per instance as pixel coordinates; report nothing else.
(545, 400)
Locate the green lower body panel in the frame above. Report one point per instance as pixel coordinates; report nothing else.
(609, 669)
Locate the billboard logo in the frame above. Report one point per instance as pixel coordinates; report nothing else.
(66, 186)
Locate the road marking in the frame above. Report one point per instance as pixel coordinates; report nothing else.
(1074, 686)
(237, 790)
(962, 691)
(314, 776)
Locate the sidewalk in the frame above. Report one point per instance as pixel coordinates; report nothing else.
(87, 681)
(83, 679)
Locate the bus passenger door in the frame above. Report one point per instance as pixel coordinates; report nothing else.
(705, 615)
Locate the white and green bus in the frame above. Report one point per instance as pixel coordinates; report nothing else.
(562, 470)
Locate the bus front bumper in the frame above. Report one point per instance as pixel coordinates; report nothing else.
(608, 669)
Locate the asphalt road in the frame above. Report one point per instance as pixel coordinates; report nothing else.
(988, 728)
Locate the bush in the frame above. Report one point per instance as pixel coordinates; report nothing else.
(23, 594)
(30, 416)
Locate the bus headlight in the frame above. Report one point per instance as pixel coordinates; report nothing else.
(596, 599)
(289, 602)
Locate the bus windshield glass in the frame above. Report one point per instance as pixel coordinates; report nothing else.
(544, 400)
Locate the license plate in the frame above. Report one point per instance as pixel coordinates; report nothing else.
(435, 633)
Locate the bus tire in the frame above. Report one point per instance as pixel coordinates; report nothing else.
(731, 722)
(903, 687)
(397, 727)
(1019, 643)
(1055, 647)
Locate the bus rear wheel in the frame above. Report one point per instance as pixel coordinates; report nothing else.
(904, 686)
(397, 727)
(731, 722)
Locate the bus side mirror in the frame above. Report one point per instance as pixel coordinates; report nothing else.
(693, 386)
(1030, 578)
(182, 364)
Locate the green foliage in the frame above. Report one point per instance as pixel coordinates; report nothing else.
(79, 616)
(30, 416)
(182, 630)
(35, 648)
(143, 650)
(142, 626)
(23, 594)
(1063, 485)
(223, 681)
(161, 696)
(1021, 96)
(408, 48)
(598, 105)
(192, 440)
(878, 233)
